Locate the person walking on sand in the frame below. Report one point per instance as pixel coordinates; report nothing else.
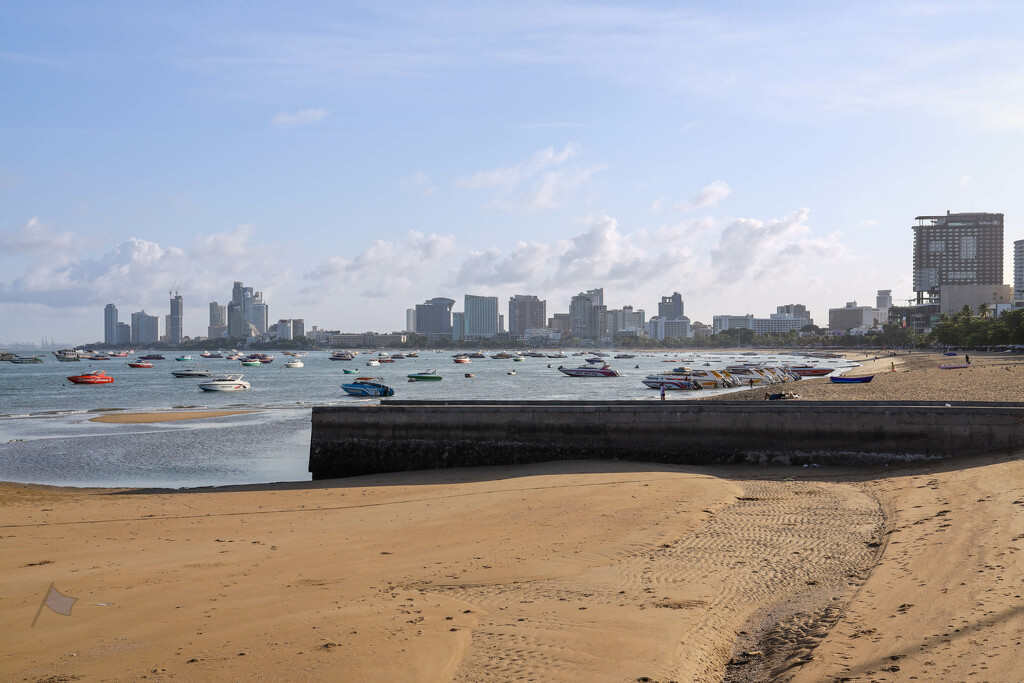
(751, 383)
(967, 359)
(893, 364)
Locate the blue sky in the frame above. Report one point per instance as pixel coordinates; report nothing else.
(353, 159)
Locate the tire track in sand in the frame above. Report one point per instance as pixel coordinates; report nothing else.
(777, 568)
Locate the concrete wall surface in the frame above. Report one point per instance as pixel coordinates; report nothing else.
(407, 435)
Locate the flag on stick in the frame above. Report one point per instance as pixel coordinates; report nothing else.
(57, 601)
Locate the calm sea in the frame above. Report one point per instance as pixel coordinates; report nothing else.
(46, 436)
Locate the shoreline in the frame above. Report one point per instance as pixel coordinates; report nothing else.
(165, 416)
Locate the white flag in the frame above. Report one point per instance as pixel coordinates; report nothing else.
(57, 601)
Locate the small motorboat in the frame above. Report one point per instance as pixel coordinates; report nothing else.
(119, 354)
(296, 363)
(183, 358)
(589, 371)
(207, 354)
(152, 356)
(140, 364)
(251, 362)
(864, 379)
(461, 359)
(470, 374)
(191, 372)
(347, 371)
(368, 386)
(373, 363)
(511, 372)
(94, 377)
(225, 383)
(425, 376)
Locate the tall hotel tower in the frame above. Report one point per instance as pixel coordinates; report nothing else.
(956, 249)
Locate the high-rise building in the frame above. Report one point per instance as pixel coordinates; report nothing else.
(956, 249)
(110, 324)
(458, 326)
(560, 322)
(218, 321)
(218, 314)
(236, 293)
(625, 319)
(1018, 270)
(298, 328)
(481, 316)
(410, 320)
(851, 317)
(526, 311)
(145, 328)
(284, 330)
(124, 333)
(588, 316)
(237, 325)
(175, 320)
(671, 307)
(434, 316)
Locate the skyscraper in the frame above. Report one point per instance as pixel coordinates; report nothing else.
(1018, 270)
(145, 328)
(237, 326)
(526, 311)
(110, 324)
(671, 307)
(481, 316)
(175, 320)
(588, 316)
(956, 249)
(218, 321)
(434, 316)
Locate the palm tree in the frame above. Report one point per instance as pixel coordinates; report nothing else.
(983, 310)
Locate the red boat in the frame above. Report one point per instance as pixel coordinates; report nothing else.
(95, 377)
(810, 370)
(589, 371)
(142, 364)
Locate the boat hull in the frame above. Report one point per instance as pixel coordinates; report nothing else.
(851, 380)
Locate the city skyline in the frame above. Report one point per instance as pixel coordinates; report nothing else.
(356, 161)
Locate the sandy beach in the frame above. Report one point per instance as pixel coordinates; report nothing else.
(569, 571)
(165, 416)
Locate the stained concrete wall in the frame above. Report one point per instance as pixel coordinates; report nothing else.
(408, 435)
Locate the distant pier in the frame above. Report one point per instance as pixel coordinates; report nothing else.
(400, 435)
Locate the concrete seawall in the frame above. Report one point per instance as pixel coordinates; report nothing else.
(409, 435)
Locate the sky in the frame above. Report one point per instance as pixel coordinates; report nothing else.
(351, 160)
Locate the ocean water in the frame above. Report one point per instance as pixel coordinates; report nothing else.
(46, 435)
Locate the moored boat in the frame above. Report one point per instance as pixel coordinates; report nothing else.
(368, 386)
(192, 372)
(152, 356)
(24, 360)
(294, 363)
(140, 364)
(225, 383)
(425, 376)
(671, 382)
(94, 377)
(589, 371)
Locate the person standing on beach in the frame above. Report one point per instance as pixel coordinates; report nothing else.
(662, 392)
(967, 359)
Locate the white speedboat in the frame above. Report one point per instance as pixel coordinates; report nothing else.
(225, 383)
(294, 364)
(373, 362)
(192, 372)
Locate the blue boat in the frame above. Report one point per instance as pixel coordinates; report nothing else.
(368, 386)
(851, 380)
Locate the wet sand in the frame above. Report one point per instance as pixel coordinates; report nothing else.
(165, 416)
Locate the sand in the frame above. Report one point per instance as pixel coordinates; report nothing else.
(165, 416)
(567, 571)
(991, 377)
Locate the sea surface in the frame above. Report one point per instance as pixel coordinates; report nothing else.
(47, 436)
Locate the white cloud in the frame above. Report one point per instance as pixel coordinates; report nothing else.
(36, 236)
(541, 182)
(384, 268)
(300, 118)
(709, 195)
